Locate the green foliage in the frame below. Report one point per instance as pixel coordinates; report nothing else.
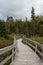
(26, 27)
(39, 20)
(3, 32)
(33, 22)
(41, 30)
(9, 24)
(18, 27)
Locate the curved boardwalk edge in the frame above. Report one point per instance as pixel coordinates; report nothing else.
(25, 55)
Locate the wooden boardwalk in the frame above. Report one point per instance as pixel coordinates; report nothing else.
(25, 55)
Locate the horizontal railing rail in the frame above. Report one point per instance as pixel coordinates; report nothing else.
(35, 45)
(4, 50)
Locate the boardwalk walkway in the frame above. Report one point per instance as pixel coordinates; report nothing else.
(25, 55)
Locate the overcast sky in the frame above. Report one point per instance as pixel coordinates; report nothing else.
(20, 8)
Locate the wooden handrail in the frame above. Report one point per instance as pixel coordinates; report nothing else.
(30, 43)
(4, 50)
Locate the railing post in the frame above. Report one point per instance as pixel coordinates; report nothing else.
(23, 37)
(12, 53)
(13, 50)
(42, 53)
(36, 48)
(15, 41)
(15, 44)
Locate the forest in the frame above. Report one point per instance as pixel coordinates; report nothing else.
(28, 27)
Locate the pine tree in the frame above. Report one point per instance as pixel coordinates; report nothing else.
(33, 21)
(32, 14)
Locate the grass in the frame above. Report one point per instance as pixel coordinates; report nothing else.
(5, 42)
(17, 36)
(37, 38)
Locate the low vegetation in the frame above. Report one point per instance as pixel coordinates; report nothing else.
(5, 42)
(37, 38)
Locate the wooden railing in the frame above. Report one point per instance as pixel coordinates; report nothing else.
(35, 45)
(4, 50)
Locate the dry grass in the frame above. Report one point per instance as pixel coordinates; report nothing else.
(38, 39)
(5, 42)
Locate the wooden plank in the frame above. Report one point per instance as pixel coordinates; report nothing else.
(12, 54)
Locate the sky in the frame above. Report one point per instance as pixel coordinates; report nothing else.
(19, 9)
